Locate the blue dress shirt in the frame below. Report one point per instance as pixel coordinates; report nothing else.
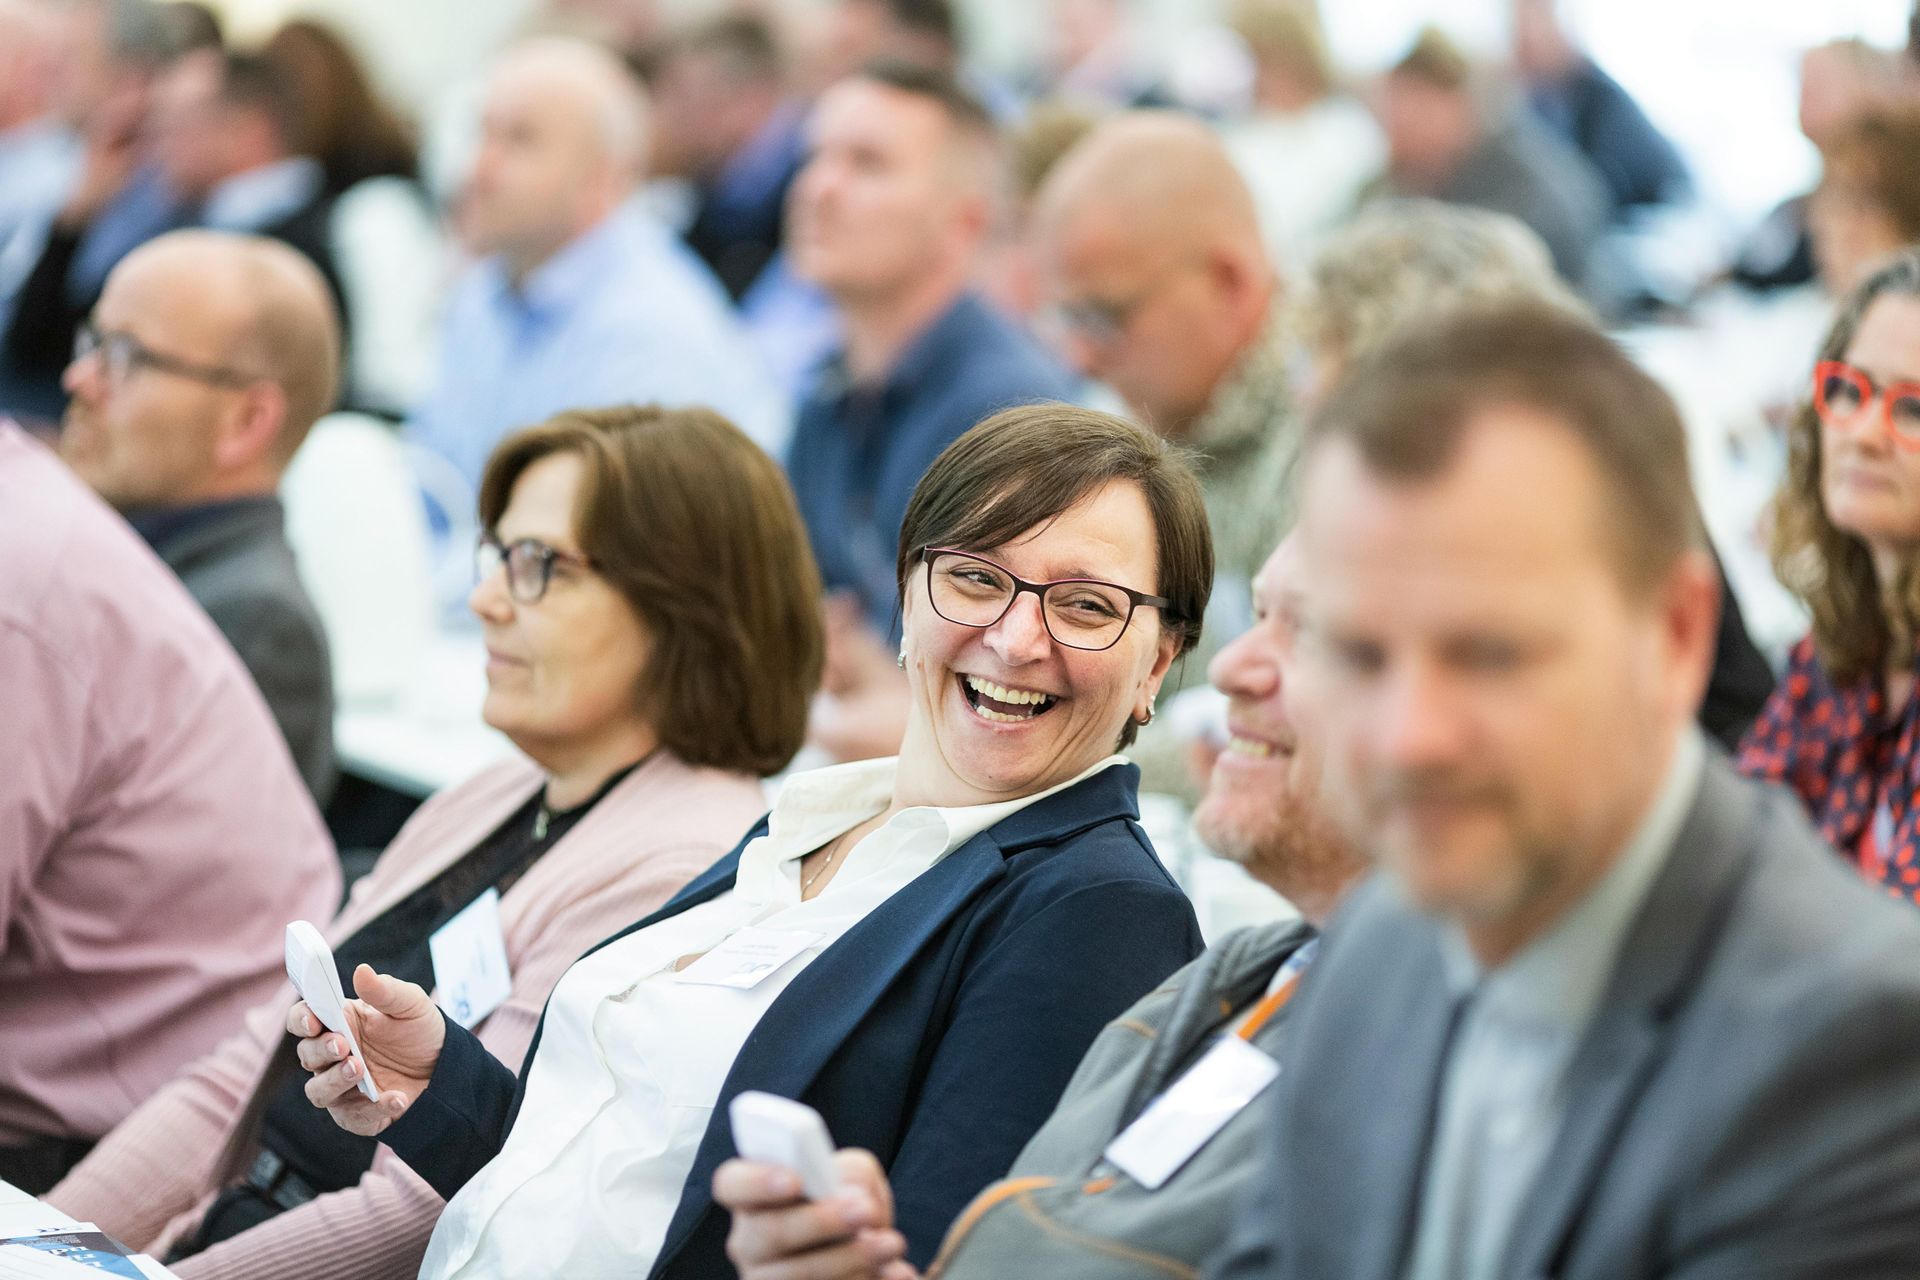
(624, 314)
(859, 450)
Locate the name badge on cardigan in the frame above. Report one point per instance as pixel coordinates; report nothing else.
(747, 958)
(1184, 1119)
(471, 975)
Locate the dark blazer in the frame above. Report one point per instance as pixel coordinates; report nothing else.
(235, 560)
(937, 1033)
(1745, 1105)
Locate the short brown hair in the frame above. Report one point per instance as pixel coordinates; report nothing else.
(1286, 33)
(1024, 467)
(1436, 60)
(695, 526)
(1407, 406)
(1857, 622)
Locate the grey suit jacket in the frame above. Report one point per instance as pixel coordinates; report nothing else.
(1746, 1105)
(236, 562)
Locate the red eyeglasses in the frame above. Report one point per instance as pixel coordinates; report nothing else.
(1840, 391)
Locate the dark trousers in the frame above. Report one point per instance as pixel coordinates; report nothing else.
(35, 1168)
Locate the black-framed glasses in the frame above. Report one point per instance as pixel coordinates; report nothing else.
(1080, 613)
(122, 354)
(529, 563)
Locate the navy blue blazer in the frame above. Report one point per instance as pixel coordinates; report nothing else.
(937, 1033)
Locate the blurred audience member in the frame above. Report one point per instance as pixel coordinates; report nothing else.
(720, 93)
(196, 378)
(339, 119)
(191, 25)
(1587, 108)
(581, 298)
(1010, 270)
(104, 198)
(1404, 263)
(1264, 811)
(855, 33)
(1843, 729)
(1162, 289)
(1092, 58)
(1306, 150)
(631, 28)
(223, 138)
(36, 151)
(1839, 83)
(888, 216)
(648, 691)
(1867, 206)
(1448, 138)
(384, 232)
(154, 836)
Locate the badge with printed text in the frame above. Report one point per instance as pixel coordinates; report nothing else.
(470, 970)
(1182, 1120)
(747, 958)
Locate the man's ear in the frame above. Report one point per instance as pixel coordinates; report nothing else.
(252, 429)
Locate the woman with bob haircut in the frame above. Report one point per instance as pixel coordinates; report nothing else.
(651, 618)
(921, 948)
(1841, 729)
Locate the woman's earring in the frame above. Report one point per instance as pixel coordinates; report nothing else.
(901, 661)
(1149, 716)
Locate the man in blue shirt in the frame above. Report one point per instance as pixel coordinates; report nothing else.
(581, 300)
(887, 217)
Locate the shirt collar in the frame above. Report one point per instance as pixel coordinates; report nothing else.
(951, 329)
(1560, 977)
(160, 526)
(815, 806)
(263, 196)
(559, 283)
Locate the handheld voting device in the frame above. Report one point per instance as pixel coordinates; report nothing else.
(317, 978)
(775, 1130)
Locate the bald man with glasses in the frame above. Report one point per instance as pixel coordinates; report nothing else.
(193, 383)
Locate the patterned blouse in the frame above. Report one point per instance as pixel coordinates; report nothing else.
(1855, 769)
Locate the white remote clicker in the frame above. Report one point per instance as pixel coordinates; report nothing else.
(316, 977)
(776, 1130)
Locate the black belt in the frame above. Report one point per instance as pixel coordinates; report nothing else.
(273, 1178)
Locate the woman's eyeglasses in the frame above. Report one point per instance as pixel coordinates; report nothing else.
(1840, 391)
(529, 563)
(1080, 613)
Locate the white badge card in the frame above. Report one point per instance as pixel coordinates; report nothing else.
(747, 958)
(470, 971)
(1198, 1105)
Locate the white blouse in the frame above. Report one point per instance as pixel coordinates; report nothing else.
(634, 1054)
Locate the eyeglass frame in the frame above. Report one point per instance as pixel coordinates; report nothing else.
(930, 555)
(89, 339)
(1105, 323)
(549, 555)
(1875, 394)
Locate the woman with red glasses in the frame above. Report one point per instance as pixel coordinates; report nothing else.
(1843, 728)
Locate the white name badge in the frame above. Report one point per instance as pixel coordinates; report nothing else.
(470, 971)
(747, 958)
(1183, 1119)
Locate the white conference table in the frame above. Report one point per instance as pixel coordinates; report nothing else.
(23, 1216)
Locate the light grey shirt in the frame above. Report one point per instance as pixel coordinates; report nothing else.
(1501, 1105)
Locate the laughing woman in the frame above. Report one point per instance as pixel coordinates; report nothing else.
(922, 948)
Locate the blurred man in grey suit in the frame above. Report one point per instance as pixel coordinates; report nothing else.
(1608, 1013)
(207, 360)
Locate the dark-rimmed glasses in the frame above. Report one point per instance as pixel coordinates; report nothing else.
(122, 354)
(1840, 391)
(529, 563)
(1080, 613)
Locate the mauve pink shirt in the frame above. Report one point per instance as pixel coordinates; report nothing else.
(155, 838)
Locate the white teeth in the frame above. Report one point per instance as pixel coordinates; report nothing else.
(999, 693)
(1249, 747)
(1001, 717)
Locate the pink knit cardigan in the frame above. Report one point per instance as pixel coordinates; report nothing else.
(152, 1178)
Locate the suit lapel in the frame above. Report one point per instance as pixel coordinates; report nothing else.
(1663, 955)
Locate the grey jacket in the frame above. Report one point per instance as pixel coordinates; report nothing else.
(1745, 1106)
(1064, 1212)
(235, 560)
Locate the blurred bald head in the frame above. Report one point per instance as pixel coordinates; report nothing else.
(1151, 249)
(217, 354)
(563, 137)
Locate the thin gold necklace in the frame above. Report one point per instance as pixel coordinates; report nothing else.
(833, 851)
